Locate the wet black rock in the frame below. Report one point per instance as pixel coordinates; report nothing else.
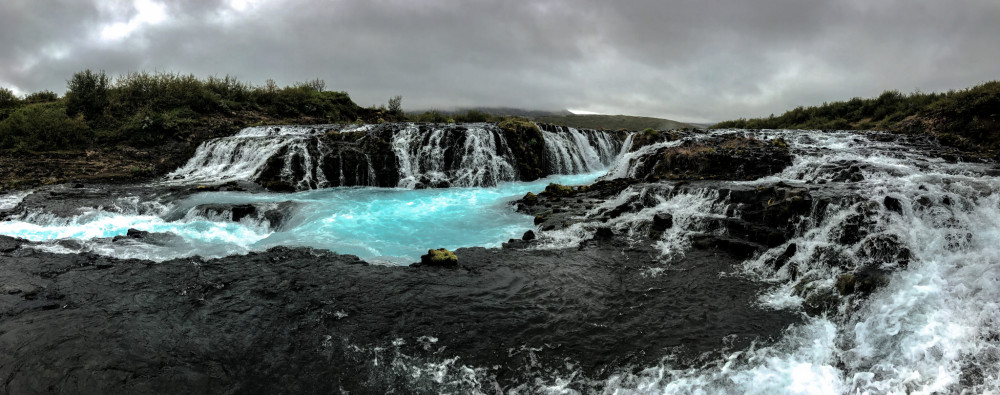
(133, 233)
(8, 244)
(305, 321)
(604, 233)
(785, 256)
(662, 222)
(862, 282)
(884, 250)
(729, 157)
(528, 236)
(893, 204)
(276, 214)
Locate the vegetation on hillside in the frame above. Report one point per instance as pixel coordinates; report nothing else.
(612, 122)
(145, 109)
(965, 118)
(606, 122)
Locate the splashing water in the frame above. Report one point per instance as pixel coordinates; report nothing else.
(483, 159)
(934, 328)
(570, 150)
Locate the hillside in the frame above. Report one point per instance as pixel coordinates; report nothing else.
(143, 124)
(612, 122)
(966, 119)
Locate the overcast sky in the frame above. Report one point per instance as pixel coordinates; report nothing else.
(696, 61)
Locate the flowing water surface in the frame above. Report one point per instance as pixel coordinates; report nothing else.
(935, 328)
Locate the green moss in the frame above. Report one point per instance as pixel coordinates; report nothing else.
(515, 124)
(439, 257)
(557, 190)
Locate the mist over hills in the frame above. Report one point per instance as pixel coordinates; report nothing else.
(568, 118)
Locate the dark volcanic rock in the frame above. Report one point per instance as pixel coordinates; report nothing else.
(303, 321)
(662, 222)
(729, 157)
(8, 244)
(276, 214)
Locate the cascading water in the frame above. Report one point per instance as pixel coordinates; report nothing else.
(308, 157)
(570, 150)
(473, 157)
(241, 157)
(932, 327)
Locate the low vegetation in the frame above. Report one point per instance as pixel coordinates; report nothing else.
(612, 122)
(965, 118)
(146, 109)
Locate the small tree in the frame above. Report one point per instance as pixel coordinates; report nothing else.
(270, 86)
(8, 98)
(317, 85)
(396, 105)
(88, 94)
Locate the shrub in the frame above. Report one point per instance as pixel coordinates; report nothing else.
(149, 127)
(8, 98)
(44, 126)
(45, 96)
(431, 117)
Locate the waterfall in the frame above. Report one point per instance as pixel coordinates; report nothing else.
(241, 157)
(466, 155)
(469, 156)
(573, 151)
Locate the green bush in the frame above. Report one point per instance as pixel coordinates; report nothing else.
(149, 127)
(45, 96)
(43, 127)
(430, 117)
(144, 108)
(8, 99)
(87, 94)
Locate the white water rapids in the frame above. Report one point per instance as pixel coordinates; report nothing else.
(934, 328)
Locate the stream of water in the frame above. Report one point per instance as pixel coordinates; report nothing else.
(935, 328)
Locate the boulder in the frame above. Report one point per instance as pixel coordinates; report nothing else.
(604, 233)
(730, 157)
(8, 244)
(862, 282)
(893, 204)
(662, 222)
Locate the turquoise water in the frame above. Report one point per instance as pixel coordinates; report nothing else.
(385, 225)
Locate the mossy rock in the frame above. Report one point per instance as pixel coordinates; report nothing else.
(554, 189)
(516, 124)
(439, 257)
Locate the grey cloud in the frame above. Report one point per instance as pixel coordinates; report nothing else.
(689, 60)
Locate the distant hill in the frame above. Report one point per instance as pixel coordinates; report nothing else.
(564, 118)
(611, 122)
(968, 119)
(515, 112)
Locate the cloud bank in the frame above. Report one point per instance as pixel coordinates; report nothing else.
(697, 61)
